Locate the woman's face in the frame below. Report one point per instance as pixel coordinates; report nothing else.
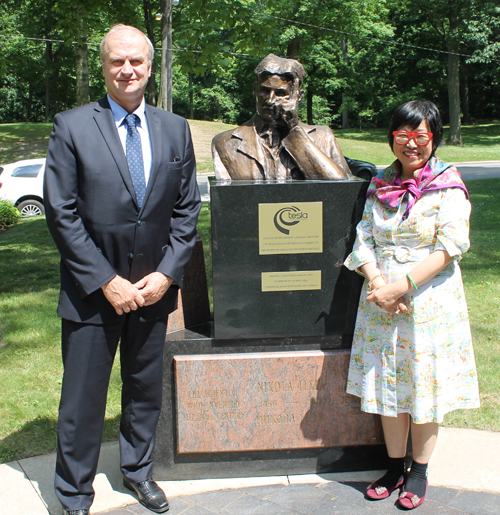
(412, 156)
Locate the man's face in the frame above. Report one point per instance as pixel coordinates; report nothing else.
(126, 68)
(271, 91)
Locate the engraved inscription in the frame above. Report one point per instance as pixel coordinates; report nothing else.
(226, 402)
(276, 419)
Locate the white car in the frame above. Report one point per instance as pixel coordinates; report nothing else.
(22, 184)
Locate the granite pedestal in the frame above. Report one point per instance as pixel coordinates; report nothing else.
(261, 390)
(260, 407)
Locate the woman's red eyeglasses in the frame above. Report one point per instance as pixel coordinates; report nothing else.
(420, 138)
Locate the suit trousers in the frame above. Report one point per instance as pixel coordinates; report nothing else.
(88, 353)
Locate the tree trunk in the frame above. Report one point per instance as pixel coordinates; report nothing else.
(54, 93)
(191, 97)
(309, 105)
(165, 96)
(48, 52)
(82, 62)
(345, 112)
(455, 136)
(293, 47)
(149, 21)
(464, 93)
(30, 102)
(55, 81)
(82, 73)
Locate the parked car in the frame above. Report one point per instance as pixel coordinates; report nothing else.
(22, 184)
(361, 169)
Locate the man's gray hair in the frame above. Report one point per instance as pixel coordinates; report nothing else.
(119, 27)
(275, 65)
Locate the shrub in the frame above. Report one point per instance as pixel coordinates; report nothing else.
(9, 214)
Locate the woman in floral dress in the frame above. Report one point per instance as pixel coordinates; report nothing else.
(412, 359)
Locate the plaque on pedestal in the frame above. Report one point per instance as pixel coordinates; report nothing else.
(268, 401)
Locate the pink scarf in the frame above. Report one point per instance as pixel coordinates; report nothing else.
(390, 190)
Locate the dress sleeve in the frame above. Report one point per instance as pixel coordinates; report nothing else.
(364, 247)
(452, 223)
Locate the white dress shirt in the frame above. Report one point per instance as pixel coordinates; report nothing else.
(119, 115)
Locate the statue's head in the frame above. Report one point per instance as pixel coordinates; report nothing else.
(278, 80)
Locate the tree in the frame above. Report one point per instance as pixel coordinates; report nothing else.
(150, 10)
(36, 63)
(454, 21)
(78, 20)
(446, 18)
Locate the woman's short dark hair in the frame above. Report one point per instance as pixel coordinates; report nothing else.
(412, 114)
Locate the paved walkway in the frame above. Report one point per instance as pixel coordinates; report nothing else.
(464, 474)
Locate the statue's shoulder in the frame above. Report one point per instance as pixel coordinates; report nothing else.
(233, 136)
(222, 138)
(321, 135)
(322, 130)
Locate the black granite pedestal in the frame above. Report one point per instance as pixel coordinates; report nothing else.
(278, 250)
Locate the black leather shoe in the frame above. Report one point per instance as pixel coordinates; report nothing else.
(76, 512)
(150, 495)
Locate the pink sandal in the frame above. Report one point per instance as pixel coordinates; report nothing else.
(410, 501)
(375, 492)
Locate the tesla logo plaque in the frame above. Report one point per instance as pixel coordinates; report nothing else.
(291, 228)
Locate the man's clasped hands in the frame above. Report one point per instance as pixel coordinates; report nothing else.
(125, 296)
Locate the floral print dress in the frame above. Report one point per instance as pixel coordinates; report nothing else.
(420, 362)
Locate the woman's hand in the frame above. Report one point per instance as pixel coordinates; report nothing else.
(387, 297)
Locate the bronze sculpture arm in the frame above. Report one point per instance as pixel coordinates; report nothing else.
(311, 160)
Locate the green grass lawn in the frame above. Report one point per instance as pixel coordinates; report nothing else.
(481, 271)
(30, 140)
(481, 142)
(23, 141)
(30, 356)
(30, 361)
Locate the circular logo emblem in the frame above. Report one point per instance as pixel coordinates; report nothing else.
(287, 217)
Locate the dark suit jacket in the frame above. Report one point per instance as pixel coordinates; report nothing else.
(94, 218)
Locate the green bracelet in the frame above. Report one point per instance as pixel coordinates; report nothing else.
(412, 282)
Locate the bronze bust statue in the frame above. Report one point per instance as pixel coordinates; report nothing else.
(274, 144)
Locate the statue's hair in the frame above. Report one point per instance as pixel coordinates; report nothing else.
(119, 27)
(275, 65)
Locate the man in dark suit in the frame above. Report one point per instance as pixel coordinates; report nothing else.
(122, 202)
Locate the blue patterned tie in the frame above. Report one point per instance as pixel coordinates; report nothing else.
(134, 158)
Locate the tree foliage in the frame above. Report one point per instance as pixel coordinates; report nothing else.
(363, 57)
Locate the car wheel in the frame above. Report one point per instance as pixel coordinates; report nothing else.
(31, 208)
